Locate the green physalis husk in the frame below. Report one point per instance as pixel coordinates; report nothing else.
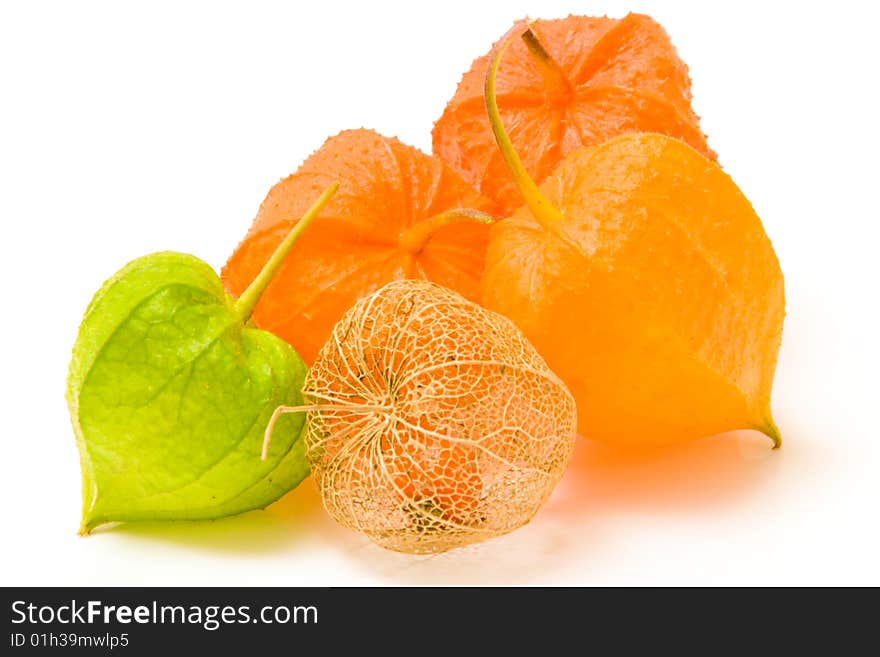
(170, 391)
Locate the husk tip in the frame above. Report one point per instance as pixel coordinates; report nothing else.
(769, 429)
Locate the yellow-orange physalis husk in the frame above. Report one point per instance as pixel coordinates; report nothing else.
(434, 422)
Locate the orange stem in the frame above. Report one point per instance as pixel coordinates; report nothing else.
(555, 79)
(416, 237)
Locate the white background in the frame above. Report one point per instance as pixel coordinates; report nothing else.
(129, 129)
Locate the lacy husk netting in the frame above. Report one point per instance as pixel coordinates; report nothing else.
(434, 423)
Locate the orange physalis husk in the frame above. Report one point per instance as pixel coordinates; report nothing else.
(399, 213)
(432, 422)
(643, 276)
(570, 82)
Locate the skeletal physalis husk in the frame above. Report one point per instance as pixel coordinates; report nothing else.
(432, 422)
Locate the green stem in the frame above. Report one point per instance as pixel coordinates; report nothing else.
(416, 237)
(541, 208)
(249, 298)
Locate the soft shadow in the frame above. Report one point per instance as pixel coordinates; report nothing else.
(603, 487)
(602, 482)
(693, 477)
(277, 528)
(528, 555)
